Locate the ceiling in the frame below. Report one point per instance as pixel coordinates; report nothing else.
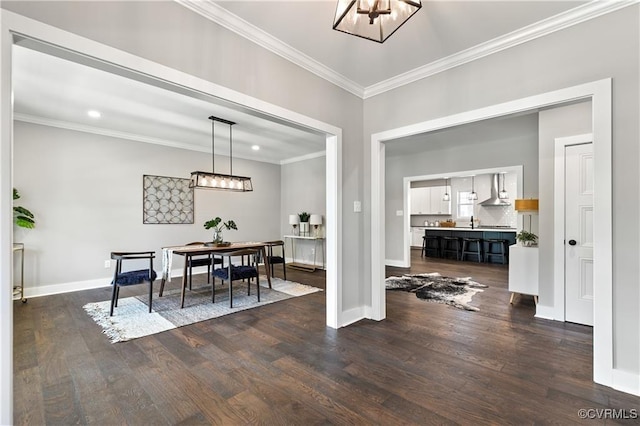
(54, 91)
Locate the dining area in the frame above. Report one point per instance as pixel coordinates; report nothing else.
(224, 262)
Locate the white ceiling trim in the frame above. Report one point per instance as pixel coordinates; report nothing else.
(120, 135)
(542, 28)
(27, 118)
(304, 157)
(232, 22)
(547, 26)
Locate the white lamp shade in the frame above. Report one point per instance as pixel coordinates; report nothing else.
(294, 219)
(315, 219)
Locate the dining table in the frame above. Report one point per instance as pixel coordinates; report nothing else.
(189, 251)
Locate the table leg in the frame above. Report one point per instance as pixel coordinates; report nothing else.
(161, 287)
(267, 266)
(184, 279)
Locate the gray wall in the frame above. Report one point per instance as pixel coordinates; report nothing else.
(497, 143)
(170, 34)
(86, 193)
(605, 47)
(303, 189)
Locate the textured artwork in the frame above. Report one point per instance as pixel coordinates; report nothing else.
(166, 200)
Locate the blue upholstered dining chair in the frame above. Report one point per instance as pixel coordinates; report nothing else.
(233, 272)
(276, 257)
(207, 260)
(127, 278)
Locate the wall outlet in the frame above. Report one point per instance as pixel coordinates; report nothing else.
(357, 206)
(107, 264)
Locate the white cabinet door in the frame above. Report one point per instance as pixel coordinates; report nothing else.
(437, 205)
(420, 200)
(416, 237)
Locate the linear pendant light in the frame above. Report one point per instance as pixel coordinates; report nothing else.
(213, 180)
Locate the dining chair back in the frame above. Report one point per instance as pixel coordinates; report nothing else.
(133, 277)
(233, 272)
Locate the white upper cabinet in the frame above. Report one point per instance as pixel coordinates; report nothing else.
(428, 200)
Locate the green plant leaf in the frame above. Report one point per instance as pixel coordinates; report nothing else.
(25, 222)
(22, 211)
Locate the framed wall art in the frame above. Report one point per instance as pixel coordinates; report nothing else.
(166, 200)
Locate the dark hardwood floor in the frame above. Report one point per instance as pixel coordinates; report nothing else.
(427, 363)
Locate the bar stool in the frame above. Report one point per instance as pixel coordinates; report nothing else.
(467, 248)
(451, 245)
(491, 242)
(426, 246)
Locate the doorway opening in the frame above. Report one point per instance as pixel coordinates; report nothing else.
(599, 93)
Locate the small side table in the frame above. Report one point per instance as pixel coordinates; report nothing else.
(18, 291)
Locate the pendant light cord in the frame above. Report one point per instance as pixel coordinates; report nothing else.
(213, 153)
(230, 150)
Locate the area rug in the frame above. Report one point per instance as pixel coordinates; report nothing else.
(131, 318)
(434, 287)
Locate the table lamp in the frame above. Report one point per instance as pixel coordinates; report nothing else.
(294, 220)
(315, 220)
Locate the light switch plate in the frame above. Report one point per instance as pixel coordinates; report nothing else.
(357, 206)
(399, 212)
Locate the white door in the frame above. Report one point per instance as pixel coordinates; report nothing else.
(579, 233)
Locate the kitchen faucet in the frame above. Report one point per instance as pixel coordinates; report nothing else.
(471, 222)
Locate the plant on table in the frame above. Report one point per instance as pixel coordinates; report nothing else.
(218, 225)
(304, 216)
(527, 238)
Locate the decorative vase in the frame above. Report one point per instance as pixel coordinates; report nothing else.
(304, 228)
(217, 236)
(527, 243)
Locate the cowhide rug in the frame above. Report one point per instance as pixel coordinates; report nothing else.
(436, 288)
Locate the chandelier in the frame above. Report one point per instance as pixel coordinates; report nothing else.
(373, 19)
(220, 181)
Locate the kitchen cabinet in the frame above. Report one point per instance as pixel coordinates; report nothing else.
(428, 201)
(417, 232)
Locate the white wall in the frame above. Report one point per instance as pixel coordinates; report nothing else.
(604, 47)
(86, 193)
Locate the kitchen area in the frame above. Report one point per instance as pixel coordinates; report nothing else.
(465, 217)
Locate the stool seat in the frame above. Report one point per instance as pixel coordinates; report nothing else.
(491, 242)
(450, 245)
(472, 246)
(426, 246)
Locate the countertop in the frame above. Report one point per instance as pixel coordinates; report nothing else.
(461, 228)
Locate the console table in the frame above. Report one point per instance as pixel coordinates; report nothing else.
(304, 266)
(18, 291)
(523, 271)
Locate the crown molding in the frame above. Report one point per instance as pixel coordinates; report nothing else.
(66, 125)
(536, 30)
(303, 157)
(228, 20)
(541, 28)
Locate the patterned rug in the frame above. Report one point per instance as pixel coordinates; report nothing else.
(131, 319)
(434, 287)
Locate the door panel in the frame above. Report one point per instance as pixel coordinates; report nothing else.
(579, 234)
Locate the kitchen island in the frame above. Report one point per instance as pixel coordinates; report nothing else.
(483, 233)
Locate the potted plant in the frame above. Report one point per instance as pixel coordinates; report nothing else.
(304, 222)
(527, 238)
(22, 216)
(218, 225)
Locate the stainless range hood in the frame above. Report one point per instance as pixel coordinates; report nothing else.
(495, 200)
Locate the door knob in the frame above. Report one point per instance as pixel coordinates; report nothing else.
(572, 242)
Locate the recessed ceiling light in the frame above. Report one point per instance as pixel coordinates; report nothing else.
(94, 114)
(255, 148)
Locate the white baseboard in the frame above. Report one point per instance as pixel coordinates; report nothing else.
(48, 290)
(51, 289)
(545, 312)
(625, 381)
(396, 263)
(350, 316)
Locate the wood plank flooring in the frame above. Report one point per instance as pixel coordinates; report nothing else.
(427, 363)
